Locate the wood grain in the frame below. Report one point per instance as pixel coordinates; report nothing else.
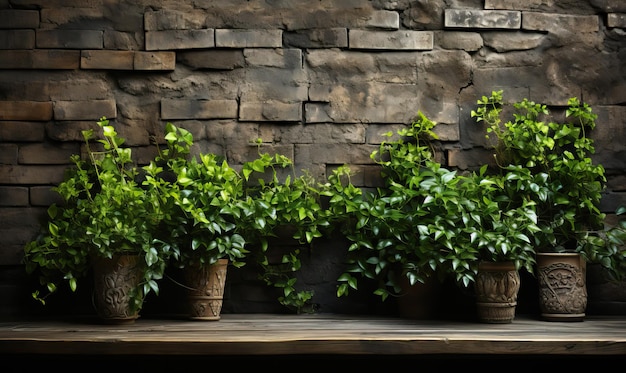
(264, 334)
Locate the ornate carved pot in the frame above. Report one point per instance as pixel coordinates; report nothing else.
(206, 290)
(116, 287)
(562, 286)
(496, 287)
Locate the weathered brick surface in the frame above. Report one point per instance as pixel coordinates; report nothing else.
(84, 110)
(70, 39)
(248, 38)
(19, 19)
(47, 153)
(467, 41)
(394, 40)
(106, 60)
(43, 196)
(21, 131)
(559, 23)
(179, 39)
(154, 61)
(25, 110)
(270, 111)
(20, 175)
(39, 59)
(616, 20)
(8, 154)
(482, 19)
(14, 196)
(17, 39)
(212, 59)
(198, 109)
(317, 38)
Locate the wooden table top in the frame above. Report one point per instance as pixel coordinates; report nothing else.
(273, 334)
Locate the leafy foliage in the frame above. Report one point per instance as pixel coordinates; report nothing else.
(106, 211)
(563, 152)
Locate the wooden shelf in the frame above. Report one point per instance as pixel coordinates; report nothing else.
(334, 335)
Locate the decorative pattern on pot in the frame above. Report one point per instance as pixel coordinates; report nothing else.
(562, 288)
(115, 280)
(497, 286)
(206, 290)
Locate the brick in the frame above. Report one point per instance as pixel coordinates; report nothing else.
(517, 4)
(212, 59)
(179, 39)
(19, 19)
(46, 153)
(467, 41)
(16, 59)
(483, 19)
(13, 196)
(558, 23)
(271, 111)
(39, 59)
(106, 60)
(507, 41)
(70, 39)
(242, 38)
(316, 133)
(384, 19)
(8, 153)
(335, 153)
(84, 110)
(282, 58)
(56, 59)
(398, 40)
(198, 109)
(13, 217)
(154, 61)
(17, 39)
(25, 110)
(21, 131)
(616, 20)
(65, 16)
(69, 130)
(44, 196)
(470, 158)
(317, 38)
(173, 20)
(12, 174)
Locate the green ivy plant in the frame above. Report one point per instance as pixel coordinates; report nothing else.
(409, 227)
(499, 216)
(562, 151)
(568, 212)
(202, 201)
(105, 211)
(291, 210)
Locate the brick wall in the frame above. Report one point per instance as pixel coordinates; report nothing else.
(319, 81)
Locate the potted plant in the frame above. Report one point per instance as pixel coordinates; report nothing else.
(570, 207)
(292, 217)
(106, 215)
(202, 202)
(432, 223)
(499, 222)
(403, 235)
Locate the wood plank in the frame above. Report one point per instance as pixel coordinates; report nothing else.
(262, 334)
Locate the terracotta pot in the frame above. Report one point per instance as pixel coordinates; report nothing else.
(496, 287)
(562, 286)
(115, 281)
(206, 290)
